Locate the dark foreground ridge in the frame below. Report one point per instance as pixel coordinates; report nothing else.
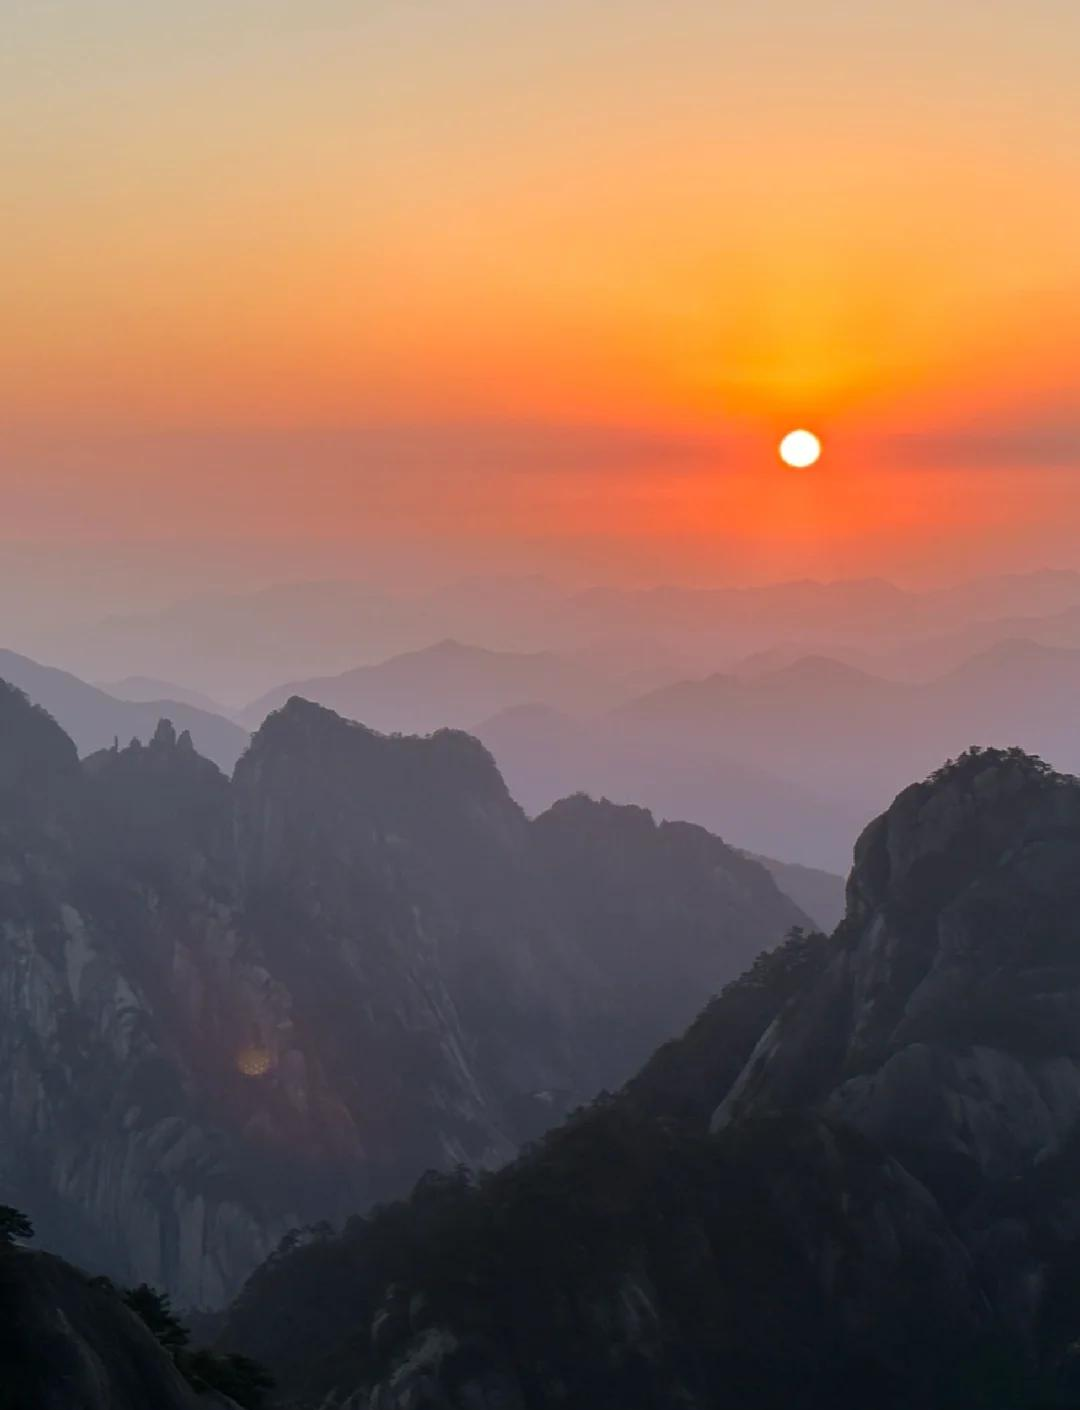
(851, 1184)
(69, 1343)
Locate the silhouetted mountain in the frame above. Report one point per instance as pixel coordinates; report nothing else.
(784, 654)
(150, 690)
(235, 646)
(228, 1007)
(816, 736)
(623, 880)
(819, 893)
(447, 685)
(701, 775)
(94, 719)
(852, 1182)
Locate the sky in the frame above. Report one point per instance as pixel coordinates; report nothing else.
(433, 285)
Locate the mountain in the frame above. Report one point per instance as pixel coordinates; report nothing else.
(68, 1343)
(236, 646)
(94, 719)
(944, 1025)
(229, 1007)
(851, 1182)
(447, 685)
(819, 893)
(793, 761)
(624, 880)
(150, 690)
(678, 772)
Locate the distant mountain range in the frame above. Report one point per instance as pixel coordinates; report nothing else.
(789, 751)
(236, 647)
(447, 685)
(450, 685)
(792, 761)
(150, 690)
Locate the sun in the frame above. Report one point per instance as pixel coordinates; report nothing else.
(800, 449)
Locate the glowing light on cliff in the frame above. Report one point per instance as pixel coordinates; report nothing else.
(254, 1061)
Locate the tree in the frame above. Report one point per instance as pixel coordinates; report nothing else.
(13, 1225)
(156, 1311)
(238, 1377)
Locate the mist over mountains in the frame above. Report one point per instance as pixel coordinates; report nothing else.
(237, 646)
(519, 909)
(827, 699)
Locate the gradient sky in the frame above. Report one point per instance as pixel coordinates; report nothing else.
(543, 282)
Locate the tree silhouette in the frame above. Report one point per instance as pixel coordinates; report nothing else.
(13, 1225)
(156, 1311)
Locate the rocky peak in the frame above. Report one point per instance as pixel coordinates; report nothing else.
(164, 736)
(313, 782)
(301, 730)
(946, 1021)
(966, 818)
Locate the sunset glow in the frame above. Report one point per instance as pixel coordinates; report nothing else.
(568, 282)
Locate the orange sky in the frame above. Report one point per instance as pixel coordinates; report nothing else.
(473, 272)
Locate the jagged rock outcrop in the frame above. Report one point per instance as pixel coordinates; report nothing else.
(228, 1008)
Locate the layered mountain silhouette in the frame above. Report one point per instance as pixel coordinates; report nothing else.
(819, 893)
(449, 685)
(236, 646)
(701, 775)
(792, 761)
(852, 1182)
(151, 690)
(94, 719)
(234, 1006)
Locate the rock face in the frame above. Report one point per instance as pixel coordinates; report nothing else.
(229, 1008)
(852, 1182)
(68, 1344)
(947, 1023)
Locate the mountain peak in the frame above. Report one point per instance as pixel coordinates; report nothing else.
(164, 735)
(950, 990)
(965, 815)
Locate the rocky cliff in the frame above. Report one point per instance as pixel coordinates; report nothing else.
(234, 1007)
(852, 1182)
(68, 1343)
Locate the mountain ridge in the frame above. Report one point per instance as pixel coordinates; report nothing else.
(288, 992)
